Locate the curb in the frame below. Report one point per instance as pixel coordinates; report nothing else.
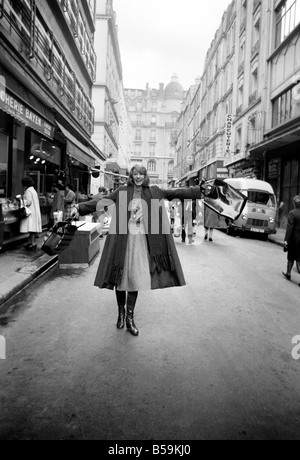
(26, 275)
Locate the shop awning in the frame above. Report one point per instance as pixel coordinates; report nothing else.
(77, 150)
(193, 174)
(276, 142)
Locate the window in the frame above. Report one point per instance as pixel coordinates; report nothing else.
(151, 166)
(153, 135)
(171, 167)
(138, 135)
(152, 150)
(287, 18)
(153, 120)
(286, 106)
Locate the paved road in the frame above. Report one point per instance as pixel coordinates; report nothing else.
(213, 359)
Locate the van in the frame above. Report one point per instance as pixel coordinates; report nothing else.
(259, 215)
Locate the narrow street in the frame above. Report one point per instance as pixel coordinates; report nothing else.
(213, 359)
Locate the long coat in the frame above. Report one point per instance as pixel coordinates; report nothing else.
(33, 223)
(165, 267)
(292, 235)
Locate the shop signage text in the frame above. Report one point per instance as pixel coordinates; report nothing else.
(229, 120)
(19, 110)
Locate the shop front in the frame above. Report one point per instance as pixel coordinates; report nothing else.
(283, 173)
(26, 148)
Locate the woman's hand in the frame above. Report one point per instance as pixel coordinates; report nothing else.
(75, 211)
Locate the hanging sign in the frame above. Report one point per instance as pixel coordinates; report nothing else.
(228, 132)
(22, 112)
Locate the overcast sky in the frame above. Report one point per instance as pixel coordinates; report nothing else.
(159, 38)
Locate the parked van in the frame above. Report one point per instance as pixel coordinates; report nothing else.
(259, 214)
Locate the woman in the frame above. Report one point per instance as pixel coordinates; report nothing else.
(70, 198)
(292, 237)
(33, 223)
(139, 252)
(58, 203)
(211, 221)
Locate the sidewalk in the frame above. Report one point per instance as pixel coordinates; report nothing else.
(18, 267)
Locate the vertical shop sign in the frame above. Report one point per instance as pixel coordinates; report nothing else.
(229, 120)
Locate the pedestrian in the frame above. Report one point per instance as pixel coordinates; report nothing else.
(70, 198)
(172, 217)
(211, 220)
(144, 256)
(292, 238)
(33, 223)
(58, 204)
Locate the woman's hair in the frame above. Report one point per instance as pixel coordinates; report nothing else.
(141, 170)
(27, 182)
(296, 200)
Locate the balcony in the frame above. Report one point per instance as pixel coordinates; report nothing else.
(239, 110)
(256, 4)
(241, 68)
(252, 97)
(255, 49)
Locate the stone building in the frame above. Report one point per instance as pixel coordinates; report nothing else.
(47, 70)
(153, 114)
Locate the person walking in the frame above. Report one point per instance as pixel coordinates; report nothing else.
(69, 201)
(211, 220)
(33, 223)
(292, 238)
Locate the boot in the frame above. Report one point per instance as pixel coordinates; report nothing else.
(121, 299)
(131, 300)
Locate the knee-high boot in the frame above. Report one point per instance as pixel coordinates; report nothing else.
(131, 301)
(121, 300)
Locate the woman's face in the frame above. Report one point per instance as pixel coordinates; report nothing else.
(138, 178)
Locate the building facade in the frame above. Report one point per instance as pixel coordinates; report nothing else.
(153, 114)
(47, 70)
(112, 127)
(248, 121)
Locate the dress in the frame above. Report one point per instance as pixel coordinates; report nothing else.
(136, 271)
(33, 223)
(292, 235)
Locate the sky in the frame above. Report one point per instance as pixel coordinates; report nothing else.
(160, 38)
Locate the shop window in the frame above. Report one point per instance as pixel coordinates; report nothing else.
(3, 165)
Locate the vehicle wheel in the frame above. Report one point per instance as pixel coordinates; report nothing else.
(298, 266)
(265, 237)
(230, 231)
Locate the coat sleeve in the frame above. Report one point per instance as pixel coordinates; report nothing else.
(182, 193)
(27, 198)
(89, 207)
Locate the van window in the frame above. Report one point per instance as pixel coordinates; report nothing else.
(258, 197)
